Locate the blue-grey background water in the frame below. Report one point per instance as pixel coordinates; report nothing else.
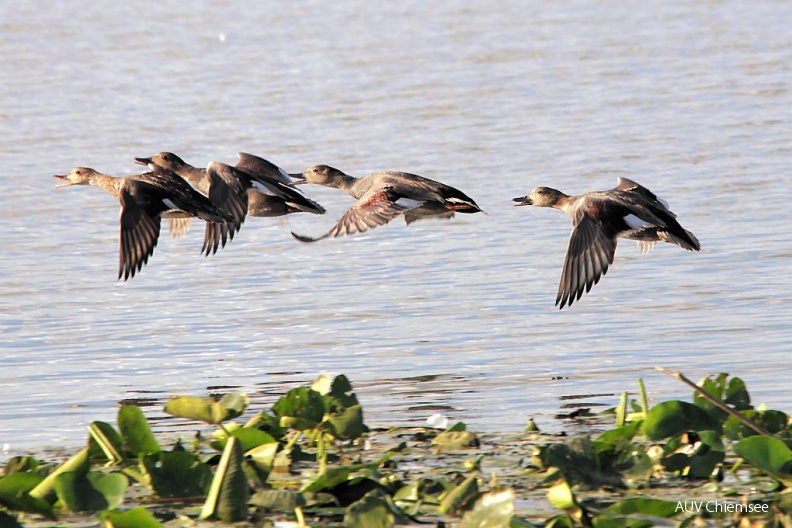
(692, 99)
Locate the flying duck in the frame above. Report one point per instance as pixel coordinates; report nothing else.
(629, 210)
(145, 199)
(382, 196)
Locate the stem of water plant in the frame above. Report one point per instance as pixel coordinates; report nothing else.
(621, 410)
(644, 401)
(716, 401)
(321, 456)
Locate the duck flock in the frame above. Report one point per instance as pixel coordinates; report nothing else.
(223, 195)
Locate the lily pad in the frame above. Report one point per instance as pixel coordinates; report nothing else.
(459, 496)
(135, 431)
(15, 494)
(176, 474)
(493, 509)
(206, 409)
(674, 417)
(135, 518)
(731, 391)
(304, 408)
(277, 500)
(92, 491)
(767, 454)
(452, 440)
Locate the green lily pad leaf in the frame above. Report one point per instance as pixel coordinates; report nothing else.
(560, 495)
(298, 424)
(333, 476)
(731, 391)
(105, 442)
(769, 455)
(263, 456)
(15, 494)
(644, 506)
(674, 417)
(338, 399)
(251, 438)
(493, 509)
(772, 421)
(267, 423)
(229, 492)
(134, 518)
(17, 483)
(135, 431)
(93, 491)
(369, 512)
(20, 464)
(304, 406)
(45, 489)
(281, 500)
(374, 510)
(449, 441)
(236, 403)
(460, 495)
(176, 474)
(347, 424)
(202, 409)
(578, 462)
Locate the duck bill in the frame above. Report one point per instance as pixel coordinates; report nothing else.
(522, 200)
(65, 179)
(142, 161)
(301, 181)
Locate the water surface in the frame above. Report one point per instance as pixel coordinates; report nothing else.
(692, 99)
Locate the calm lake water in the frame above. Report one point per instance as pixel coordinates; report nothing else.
(692, 99)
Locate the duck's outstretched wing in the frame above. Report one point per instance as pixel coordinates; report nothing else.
(178, 227)
(371, 210)
(268, 178)
(590, 252)
(140, 228)
(228, 192)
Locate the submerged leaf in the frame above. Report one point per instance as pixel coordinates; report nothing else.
(277, 500)
(645, 506)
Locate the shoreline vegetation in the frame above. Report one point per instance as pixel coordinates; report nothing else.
(310, 460)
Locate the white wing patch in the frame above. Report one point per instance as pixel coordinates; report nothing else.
(261, 187)
(169, 204)
(635, 223)
(409, 203)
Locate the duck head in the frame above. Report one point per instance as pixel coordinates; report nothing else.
(78, 176)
